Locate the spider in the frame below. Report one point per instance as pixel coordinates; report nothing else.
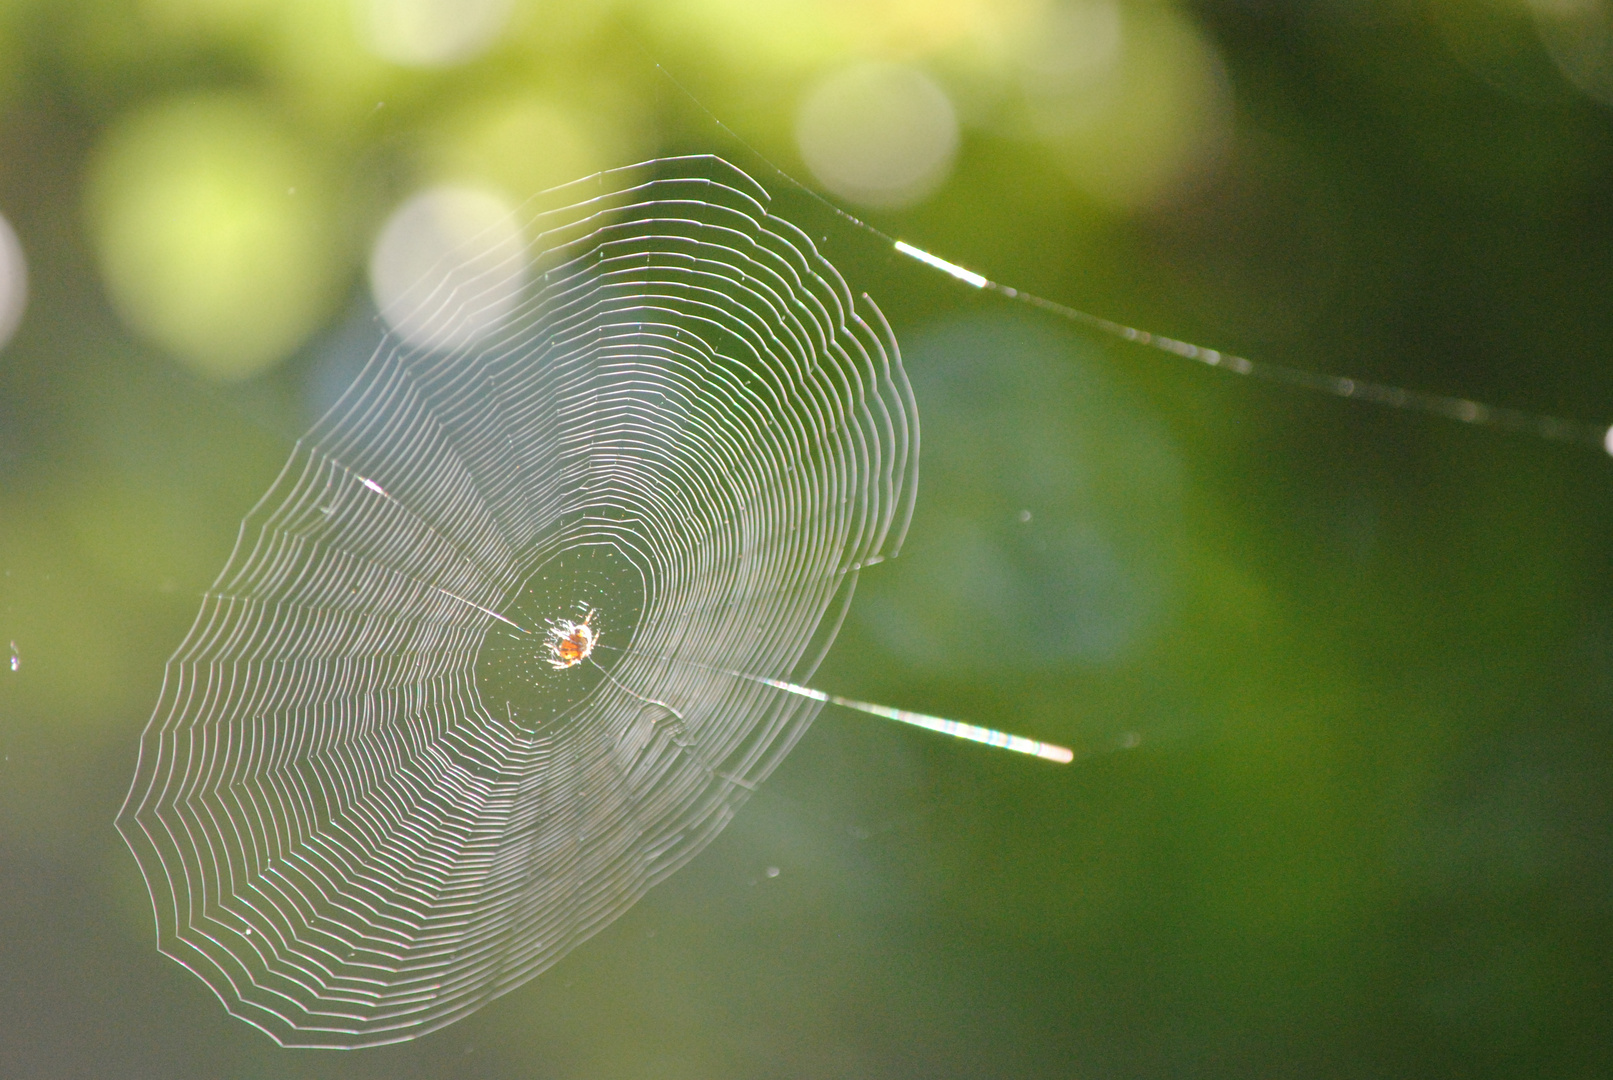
(570, 643)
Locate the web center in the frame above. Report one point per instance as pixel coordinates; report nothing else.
(570, 643)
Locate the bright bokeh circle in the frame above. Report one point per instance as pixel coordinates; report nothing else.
(879, 135)
(213, 233)
(430, 33)
(439, 245)
(13, 282)
(522, 142)
(1133, 103)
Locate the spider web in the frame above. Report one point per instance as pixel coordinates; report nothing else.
(365, 803)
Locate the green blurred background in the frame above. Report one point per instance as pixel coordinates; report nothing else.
(1361, 661)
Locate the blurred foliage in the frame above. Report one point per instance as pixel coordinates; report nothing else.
(1361, 659)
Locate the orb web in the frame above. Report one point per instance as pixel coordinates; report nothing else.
(365, 803)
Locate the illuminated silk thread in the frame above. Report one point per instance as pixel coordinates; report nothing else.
(1462, 410)
(954, 728)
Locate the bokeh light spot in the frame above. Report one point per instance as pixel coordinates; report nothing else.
(521, 143)
(764, 38)
(1073, 49)
(13, 281)
(213, 233)
(880, 135)
(430, 33)
(1134, 104)
(448, 267)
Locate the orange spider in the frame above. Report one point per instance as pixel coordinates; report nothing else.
(570, 643)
